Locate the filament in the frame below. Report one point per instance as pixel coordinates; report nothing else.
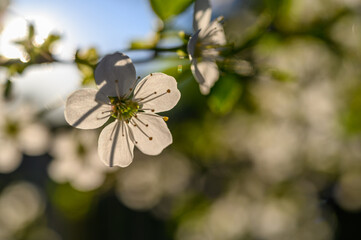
(132, 88)
(141, 86)
(136, 118)
(168, 91)
(117, 89)
(150, 138)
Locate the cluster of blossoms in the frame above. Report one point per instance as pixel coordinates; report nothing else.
(132, 105)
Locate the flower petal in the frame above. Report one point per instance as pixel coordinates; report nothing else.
(32, 145)
(157, 92)
(213, 34)
(114, 145)
(83, 111)
(206, 73)
(192, 44)
(151, 133)
(202, 14)
(88, 179)
(115, 74)
(10, 157)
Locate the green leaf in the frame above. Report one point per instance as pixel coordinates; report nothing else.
(72, 203)
(165, 9)
(86, 62)
(225, 94)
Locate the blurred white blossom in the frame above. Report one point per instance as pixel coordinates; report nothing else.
(20, 204)
(76, 160)
(131, 104)
(204, 46)
(20, 133)
(149, 179)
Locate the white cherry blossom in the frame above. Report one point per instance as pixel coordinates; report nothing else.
(204, 44)
(20, 133)
(76, 160)
(131, 104)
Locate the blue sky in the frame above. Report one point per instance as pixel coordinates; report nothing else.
(108, 25)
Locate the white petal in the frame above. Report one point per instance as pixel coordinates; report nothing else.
(157, 91)
(202, 14)
(34, 139)
(88, 179)
(153, 137)
(114, 145)
(115, 74)
(192, 44)
(62, 170)
(10, 157)
(206, 73)
(213, 34)
(83, 111)
(140, 186)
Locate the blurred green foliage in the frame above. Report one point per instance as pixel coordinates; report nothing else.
(86, 61)
(33, 53)
(168, 9)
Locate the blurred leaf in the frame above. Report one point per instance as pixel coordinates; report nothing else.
(351, 117)
(146, 44)
(281, 76)
(225, 94)
(166, 9)
(190, 206)
(141, 45)
(277, 6)
(72, 203)
(86, 62)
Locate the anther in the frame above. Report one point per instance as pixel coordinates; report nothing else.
(150, 138)
(168, 91)
(142, 131)
(123, 130)
(108, 111)
(113, 130)
(165, 119)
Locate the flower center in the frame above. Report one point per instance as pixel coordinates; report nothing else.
(80, 150)
(123, 108)
(11, 128)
